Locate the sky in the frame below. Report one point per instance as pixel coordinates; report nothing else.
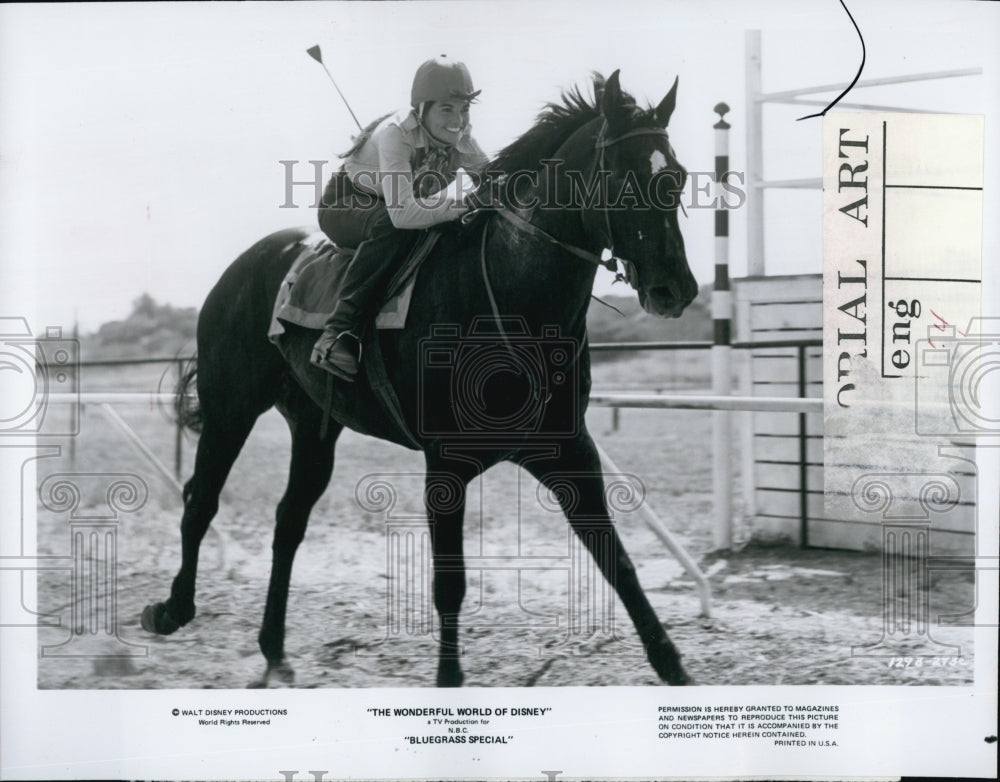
(140, 143)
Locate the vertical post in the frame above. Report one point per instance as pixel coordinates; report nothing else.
(179, 430)
(615, 419)
(72, 438)
(755, 157)
(722, 307)
(803, 456)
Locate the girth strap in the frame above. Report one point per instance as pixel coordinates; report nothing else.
(378, 376)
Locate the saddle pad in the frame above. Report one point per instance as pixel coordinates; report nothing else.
(310, 290)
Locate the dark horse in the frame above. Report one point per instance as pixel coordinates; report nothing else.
(538, 265)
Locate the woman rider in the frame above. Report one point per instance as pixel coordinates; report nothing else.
(393, 184)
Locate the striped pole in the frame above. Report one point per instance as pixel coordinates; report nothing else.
(754, 156)
(722, 306)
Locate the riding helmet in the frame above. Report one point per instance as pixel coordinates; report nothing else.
(442, 79)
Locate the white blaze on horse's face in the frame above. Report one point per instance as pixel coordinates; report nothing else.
(657, 161)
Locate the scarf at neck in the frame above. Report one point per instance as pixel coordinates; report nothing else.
(443, 160)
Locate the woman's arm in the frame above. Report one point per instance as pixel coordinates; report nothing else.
(395, 180)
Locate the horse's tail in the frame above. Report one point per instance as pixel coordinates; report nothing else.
(186, 406)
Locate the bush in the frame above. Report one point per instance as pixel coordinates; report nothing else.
(151, 329)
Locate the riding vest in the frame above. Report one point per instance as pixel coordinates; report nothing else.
(400, 164)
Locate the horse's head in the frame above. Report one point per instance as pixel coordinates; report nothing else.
(638, 221)
(602, 174)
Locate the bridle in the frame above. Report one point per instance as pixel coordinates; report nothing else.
(609, 260)
(630, 276)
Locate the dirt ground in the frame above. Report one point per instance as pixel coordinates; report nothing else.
(780, 615)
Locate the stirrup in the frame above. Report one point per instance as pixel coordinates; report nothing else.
(337, 358)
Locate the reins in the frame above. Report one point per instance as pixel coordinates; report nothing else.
(531, 229)
(525, 225)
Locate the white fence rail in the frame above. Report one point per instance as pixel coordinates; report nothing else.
(105, 400)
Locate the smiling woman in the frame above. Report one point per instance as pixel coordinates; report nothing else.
(504, 375)
(172, 118)
(445, 120)
(382, 196)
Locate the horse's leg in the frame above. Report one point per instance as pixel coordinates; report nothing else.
(308, 477)
(444, 497)
(223, 435)
(576, 479)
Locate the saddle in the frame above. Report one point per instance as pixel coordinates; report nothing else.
(311, 289)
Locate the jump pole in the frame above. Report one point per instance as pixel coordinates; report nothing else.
(104, 402)
(667, 539)
(722, 307)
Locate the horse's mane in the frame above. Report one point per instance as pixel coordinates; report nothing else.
(556, 123)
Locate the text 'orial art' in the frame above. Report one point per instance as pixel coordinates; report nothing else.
(907, 356)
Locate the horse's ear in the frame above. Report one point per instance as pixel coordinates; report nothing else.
(666, 107)
(611, 98)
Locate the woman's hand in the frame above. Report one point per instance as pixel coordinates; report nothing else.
(460, 188)
(487, 194)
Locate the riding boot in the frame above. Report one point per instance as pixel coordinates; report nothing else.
(338, 350)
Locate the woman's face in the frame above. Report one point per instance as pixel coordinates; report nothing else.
(446, 119)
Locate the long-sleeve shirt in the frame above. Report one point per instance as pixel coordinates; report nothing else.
(386, 165)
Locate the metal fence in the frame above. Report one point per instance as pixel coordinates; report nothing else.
(649, 399)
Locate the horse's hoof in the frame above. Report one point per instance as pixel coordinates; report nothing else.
(450, 676)
(678, 678)
(282, 671)
(681, 679)
(156, 619)
(667, 664)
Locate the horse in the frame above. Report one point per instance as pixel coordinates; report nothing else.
(532, 254)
